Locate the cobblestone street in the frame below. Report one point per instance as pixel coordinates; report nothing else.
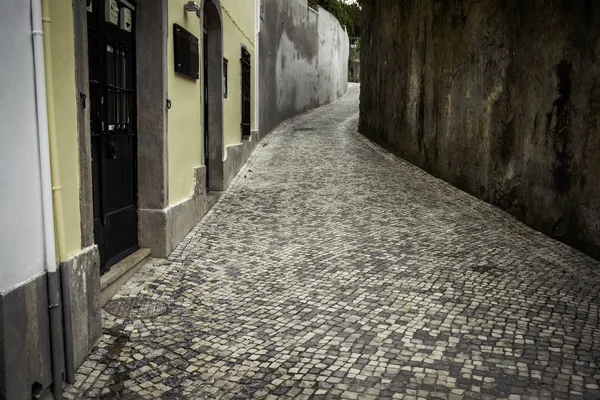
(331, 269)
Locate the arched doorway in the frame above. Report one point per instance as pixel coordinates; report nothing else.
(212, 47)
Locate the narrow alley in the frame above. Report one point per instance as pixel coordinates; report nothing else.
(333, 269)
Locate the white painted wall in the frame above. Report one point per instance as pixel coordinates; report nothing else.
(21, 227)
(303, 60)
(334, 47)
(297, 71)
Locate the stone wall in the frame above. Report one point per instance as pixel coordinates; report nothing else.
(303, 60)
(354, 71)
(501, 98)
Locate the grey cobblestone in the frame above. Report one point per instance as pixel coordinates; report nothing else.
(332, 269)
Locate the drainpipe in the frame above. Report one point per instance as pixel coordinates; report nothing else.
(59, 228)
(46, 183)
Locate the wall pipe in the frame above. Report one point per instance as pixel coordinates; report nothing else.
(57, 195)
(65, 278)
(46, 188)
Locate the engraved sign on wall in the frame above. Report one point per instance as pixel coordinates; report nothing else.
(187, 52)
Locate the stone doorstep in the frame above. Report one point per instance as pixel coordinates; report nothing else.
(111, 282)
(121, 272)
(211, 199)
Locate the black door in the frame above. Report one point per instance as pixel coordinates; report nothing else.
(245, 93)
(113, 128)
(205, 85)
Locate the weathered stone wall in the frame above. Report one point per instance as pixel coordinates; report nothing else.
(303, 60)
(500, 98)
(354, 71)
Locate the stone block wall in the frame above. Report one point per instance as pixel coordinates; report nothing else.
(354, 71)
(500, 98)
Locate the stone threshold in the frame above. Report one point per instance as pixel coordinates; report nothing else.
(111, 282)
(211, 198)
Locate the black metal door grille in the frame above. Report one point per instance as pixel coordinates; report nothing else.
(111, 53)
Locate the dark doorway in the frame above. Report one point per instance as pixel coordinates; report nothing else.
(111, 50)
(246, 93)
(205, 102)
(213, 94)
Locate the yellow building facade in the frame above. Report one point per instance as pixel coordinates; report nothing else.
(186, 148)
(62, 112)
(151, 107)
(185, 117)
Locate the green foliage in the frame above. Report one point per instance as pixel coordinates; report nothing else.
(354, 13)
(349, 15)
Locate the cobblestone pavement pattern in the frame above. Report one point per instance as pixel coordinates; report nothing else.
(332, 269)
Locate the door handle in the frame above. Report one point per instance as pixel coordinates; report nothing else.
(112, 149)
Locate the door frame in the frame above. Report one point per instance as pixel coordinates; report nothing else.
(151, 118)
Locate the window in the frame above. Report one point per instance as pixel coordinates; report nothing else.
(225, 62)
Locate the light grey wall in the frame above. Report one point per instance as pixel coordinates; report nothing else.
(332, 64)
(21, 239)
(303, 60)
